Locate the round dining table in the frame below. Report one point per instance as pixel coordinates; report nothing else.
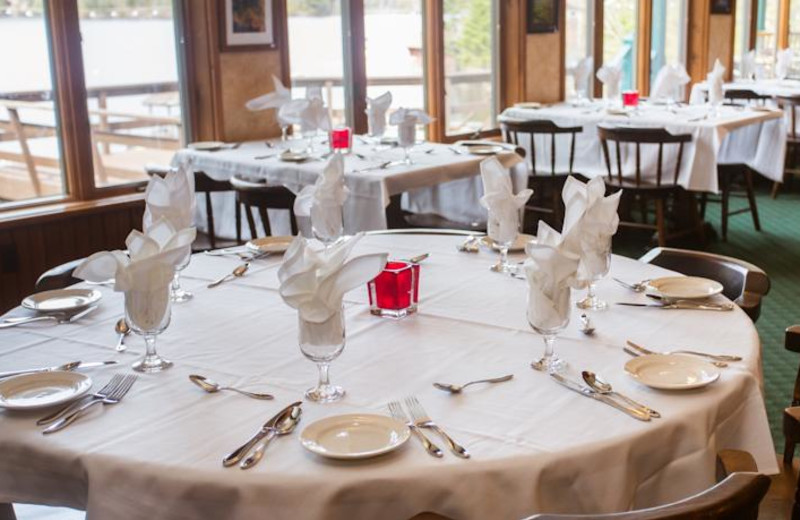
(535, 445)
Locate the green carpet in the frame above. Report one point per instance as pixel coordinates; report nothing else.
(776, 249)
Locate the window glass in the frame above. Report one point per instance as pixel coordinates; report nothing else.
(579, 20)
(668, 35)
(794, 36)
(30, 151)
(619, 38)
(767, 34)
(741, 36)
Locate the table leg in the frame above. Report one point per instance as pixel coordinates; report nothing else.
(7, 512)
(394, 213)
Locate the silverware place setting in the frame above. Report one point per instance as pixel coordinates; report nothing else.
(682, 305)
(122, 329)
(212, 387)
(421, 419)
(586, 325)
(66, 367)
(238, 272)
(471, 244)
(635, 287)
(586, 391)
(111, 394)
(599, 385)
(59, 318)
(457, 389)
(715, 357)
(282, 423)
(397, 412)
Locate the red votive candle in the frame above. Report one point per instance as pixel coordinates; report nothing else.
(395, 292)
(630, 98)
(341, 139)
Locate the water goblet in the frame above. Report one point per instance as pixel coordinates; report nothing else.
(322, 343)
(601, 262)
(406, 138)
(147, 311)
(177, 293)
(333, 228)
(549, 317)
(503, 231)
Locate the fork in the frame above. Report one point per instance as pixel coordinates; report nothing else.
(397, 412)
(422, 420)
(718, 361)
(635, 287)
(114, 397)
(100, 394)
(60, 318)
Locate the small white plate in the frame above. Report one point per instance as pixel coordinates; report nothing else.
(485, 149)
(60, 300)
(528, 104)
(207, 146)
(32, 391)
(517, 247)
(684, 287)
(672, 372)
(616, 112)
(354, 436)
(294, 156)
(270, 244)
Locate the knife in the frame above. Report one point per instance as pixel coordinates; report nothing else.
(681, 304)
(588, 392)
(68, 367)
(269, 426)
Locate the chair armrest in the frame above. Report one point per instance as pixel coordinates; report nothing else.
(792, 341)
(734, 461)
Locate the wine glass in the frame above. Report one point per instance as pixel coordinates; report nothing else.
(601, 262)
(503, 230)
(177, 293)
(549, 316)
(322, 343)
(406, 138)
(147, 311)
(331, 228)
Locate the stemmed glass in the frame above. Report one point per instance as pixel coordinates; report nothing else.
(406, 138)
(177, 293)
(503, 231)
(549, 317)
(322, 343)
(147, 311)
(601, 260)
(333, 230)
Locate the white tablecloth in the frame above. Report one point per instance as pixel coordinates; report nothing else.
(440, 182)
(535, 445)
(762, 87)
(735, 136)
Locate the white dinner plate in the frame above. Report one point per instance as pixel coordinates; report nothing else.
(294, 156)
(485, 149)
(207, 146)
(518, 245)
(616, 111)
(528, 104)
(270, 244)
(32, 391)
(672, 372)
(60, 300)
(684, 287)
(354, 436)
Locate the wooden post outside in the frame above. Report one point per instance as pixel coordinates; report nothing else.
(19, 129)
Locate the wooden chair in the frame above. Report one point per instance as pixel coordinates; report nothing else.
(742, 282)
(262, 197)
(790, 104)
(791, 416)
(59, 277)
(544, 181)
(206, 185)
(661, 189)
(738, 96)
(728, 174)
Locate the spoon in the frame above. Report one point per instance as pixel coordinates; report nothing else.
(237, 273)
(213, 387)
(586, 327)
(123, 330)
(635, 287)
(456, 389)
(601, 387)
(285, 426)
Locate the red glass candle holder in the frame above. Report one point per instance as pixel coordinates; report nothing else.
(395, 292)
(630, 98)
(341, 139)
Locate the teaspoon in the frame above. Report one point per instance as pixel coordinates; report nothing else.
(586, 325)
(213, 387)
(456, 389)
(601, 387)
(123, 330)
(284, 427)
(238, 272)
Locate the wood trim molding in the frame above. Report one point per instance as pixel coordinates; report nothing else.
(51, 212)
(753, 24)
(562, 75)
(355, 44)
(784, 9)
(434, 68)
(643, 44)
(512, 52)
(597, 47)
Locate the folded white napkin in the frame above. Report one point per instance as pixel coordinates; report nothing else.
(315, 116)
(590, 220)
(376, 113)
(314, 280)
(291, 112)
(668, 80)
(275, 99)
(551, 271)
(583, 72)
(748, 67)
(783, 63)
(406, 121)
(499, 199)
(145, 272)
(171, 197)
(716, 79)
(611, 77)
(323, 201)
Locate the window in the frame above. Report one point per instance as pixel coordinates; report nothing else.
(767, 34)
(667, 35)
(30, 148)
(794, 36)
(619, 37)
(578, 22)
(741, 37)
(131, 74)
(470, 65)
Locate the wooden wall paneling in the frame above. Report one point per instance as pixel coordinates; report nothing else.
(356, 62)
(697, 41)
(784, 9)
(597, 47)
(434, 68)
(720, 42)
(512, 52)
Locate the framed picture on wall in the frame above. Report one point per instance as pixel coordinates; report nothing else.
(721, 6)
(247, 25)
(542, 16)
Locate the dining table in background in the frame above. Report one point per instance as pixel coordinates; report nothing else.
(535, 445)
(763, 87)
(734, 135)
(443, 179)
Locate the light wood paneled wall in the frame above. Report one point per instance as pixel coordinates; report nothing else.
(710, 38)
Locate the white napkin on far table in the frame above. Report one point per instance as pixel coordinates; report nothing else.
(500, 200)
(315, 116)
(171, 197)
(314, 280)
(323, 200)
(611, 77)
(748, 68)
(376, 113)
(275, 99)
(783, 63)
(406, 121)
(668, 80)
(716, 92)
(583, 72)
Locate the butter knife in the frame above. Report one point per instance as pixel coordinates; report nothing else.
(269, 426)
(684, 305)
(68, 367)
(588, 392)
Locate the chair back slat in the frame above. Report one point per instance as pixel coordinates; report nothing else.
(790, 103)
(660, 163)
(746, 95)
(542, 127)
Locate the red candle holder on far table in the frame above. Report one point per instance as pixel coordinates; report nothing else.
(630, 98)
(341, 139)
(395, 292)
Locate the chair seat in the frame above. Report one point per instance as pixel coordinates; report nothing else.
(793, 413)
